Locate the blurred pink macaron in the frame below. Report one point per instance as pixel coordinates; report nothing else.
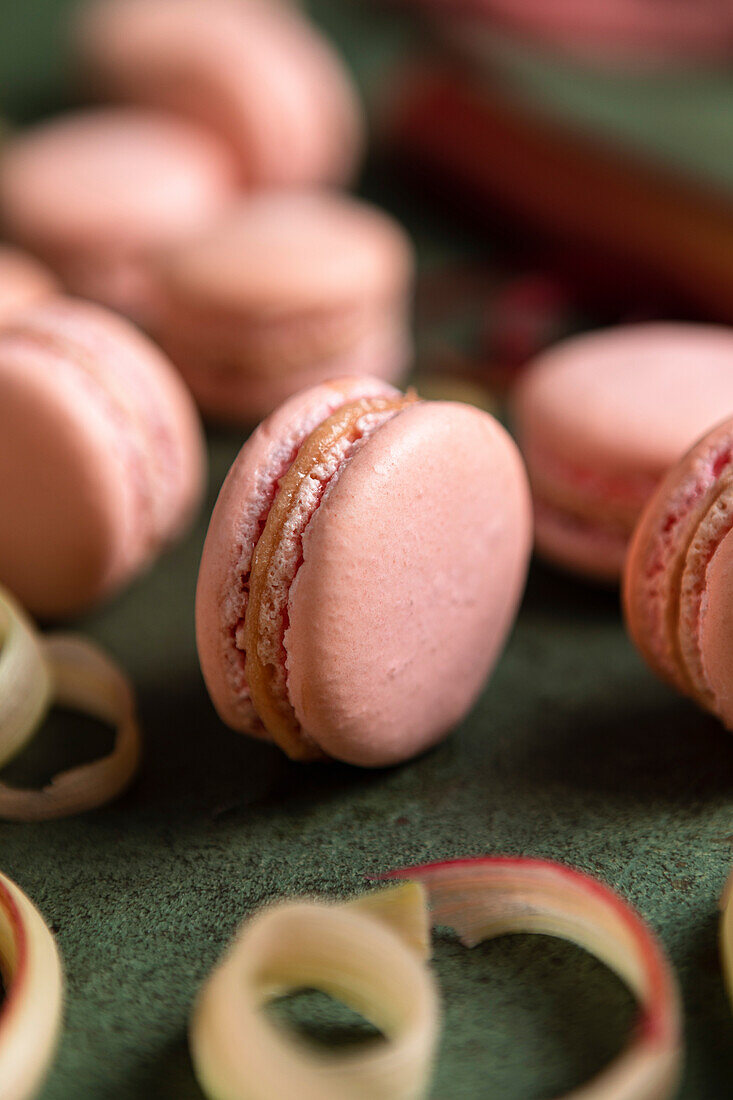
(286, 290)
(257, 72)
(600, 419)
(679, 575)
(362, 569)
(93, 193)
(23, 280)
(101, 452)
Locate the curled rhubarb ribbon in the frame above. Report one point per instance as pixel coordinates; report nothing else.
(368, 953)
(487, 897)
(72, 672)
(30, 1015)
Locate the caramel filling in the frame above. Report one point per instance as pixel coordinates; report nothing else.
(278, 556)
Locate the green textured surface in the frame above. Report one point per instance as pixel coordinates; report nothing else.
(574, 752)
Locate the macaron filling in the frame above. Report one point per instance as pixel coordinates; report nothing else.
(261, 633)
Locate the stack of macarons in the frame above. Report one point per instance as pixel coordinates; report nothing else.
(219, 107)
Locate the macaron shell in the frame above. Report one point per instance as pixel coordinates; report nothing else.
(112, 178)
(413, 567)
(716, 630)
(235, 525)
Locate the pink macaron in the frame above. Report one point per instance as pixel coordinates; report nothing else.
(101, 455)
(286, 290)
(23, 280)
(363, 566)
(601, 418)
(679, 575)
(255, 71)
(93, 193)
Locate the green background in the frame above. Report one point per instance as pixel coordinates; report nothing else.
(573, 752)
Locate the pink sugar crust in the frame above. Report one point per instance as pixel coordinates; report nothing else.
(111, 182)
(23, 280)
(236, 524)
(254, 71)
(102, 450)
(413, 568)
(596, 435)
(665, 582)
(590, 549)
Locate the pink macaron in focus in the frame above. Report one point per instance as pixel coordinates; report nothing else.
(256, 72)
(679, 575)
(362, 569)
(95, 192)
(287, 290)
(23, 280)
(101, 452)
(600, 419)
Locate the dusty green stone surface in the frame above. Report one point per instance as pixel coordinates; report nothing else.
(573, 752)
